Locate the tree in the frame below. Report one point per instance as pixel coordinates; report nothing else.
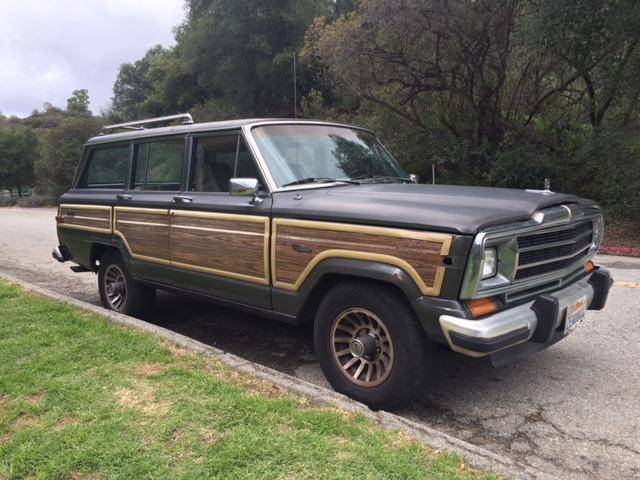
(60, 152)
(598, 41)
(231, 59)
(78, 103)
(18, 151)
(138, 84)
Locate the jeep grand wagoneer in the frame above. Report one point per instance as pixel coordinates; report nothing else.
(306, 221)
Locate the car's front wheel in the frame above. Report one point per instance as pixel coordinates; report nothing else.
(370, 345)
(119, 291)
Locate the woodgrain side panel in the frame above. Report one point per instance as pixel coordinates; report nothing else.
(299, 245)
(145, 232)
(234, 246)
(92, 218)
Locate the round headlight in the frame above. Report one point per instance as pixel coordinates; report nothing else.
(489, 263)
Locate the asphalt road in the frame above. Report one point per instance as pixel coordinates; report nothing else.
(572, 410)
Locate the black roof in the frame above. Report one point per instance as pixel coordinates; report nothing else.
(194, 127)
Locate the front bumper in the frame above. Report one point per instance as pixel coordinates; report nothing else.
(526, 328)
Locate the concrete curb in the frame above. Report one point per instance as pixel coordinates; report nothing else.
(477, 457)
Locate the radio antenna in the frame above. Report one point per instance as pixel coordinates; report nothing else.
(295, 88)
(295, 116)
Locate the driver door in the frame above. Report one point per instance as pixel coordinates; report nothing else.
(219, 242)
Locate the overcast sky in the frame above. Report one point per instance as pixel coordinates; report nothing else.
(48, 48)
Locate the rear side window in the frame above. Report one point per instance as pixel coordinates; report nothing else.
(106, 168)
(158, 165)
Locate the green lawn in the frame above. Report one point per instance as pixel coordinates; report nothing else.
(82, 398)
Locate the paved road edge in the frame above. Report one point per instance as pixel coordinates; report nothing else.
(477, 457)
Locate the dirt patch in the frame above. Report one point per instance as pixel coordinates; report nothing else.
(209, 437)
(402, 440)
(178, 353)
(343, 413)
(149, 369)
(143, 398)
(5, 438)
(34, 399)
(24, 421)
(81, 476)
(4, 402)
(264, 388)
(64, 422)
(344, 452)
(175, 437)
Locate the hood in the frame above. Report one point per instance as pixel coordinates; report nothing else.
(448, 208)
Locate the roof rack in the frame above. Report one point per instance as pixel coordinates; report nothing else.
(139, 124)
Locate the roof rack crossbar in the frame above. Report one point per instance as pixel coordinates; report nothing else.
(139, 124)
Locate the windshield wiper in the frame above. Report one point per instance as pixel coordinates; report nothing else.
(302, 181)
(382, 178)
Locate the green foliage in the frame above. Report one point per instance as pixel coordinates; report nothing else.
(502, 93)
(18, 152)
(232, 59)
(60, 152)
(78, 103)
(80, 397)
(137, 84)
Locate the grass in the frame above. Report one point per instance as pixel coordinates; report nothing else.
(82, 398)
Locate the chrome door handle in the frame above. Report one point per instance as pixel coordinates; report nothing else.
(182, 199)
(123, 196)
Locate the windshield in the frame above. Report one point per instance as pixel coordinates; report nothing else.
(299, 153)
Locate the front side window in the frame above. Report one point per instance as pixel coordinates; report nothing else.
(158, 165)
(298, 152)
(218, 159)
(106, 168)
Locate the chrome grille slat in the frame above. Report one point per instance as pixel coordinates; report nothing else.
(551, 260)
(557, 244)
(550, 250)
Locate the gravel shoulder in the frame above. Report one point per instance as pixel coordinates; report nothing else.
(570, 411)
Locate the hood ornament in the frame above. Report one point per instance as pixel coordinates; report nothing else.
(546, 191)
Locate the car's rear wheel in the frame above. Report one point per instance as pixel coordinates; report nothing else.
(119, 291)
(370, 345)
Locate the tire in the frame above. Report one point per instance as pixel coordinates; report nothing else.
(379, 324)
(119, 291)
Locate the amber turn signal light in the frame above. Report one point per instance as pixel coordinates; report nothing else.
(589, 266)
(482, 306)
(59, 219)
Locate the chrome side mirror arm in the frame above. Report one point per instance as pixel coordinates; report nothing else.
(246, 187)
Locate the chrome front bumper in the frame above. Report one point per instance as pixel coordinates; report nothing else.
(537, 320)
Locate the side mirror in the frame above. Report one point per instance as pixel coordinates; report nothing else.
(414, 178)
(245, 187)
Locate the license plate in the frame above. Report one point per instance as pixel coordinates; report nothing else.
(575, 315)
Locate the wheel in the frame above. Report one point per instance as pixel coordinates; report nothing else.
(370, 345)
(119, 291)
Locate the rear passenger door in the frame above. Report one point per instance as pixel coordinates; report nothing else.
(141, 216)
(219, 242)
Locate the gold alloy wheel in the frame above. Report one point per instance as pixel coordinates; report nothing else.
(115, 288)
(362, 347)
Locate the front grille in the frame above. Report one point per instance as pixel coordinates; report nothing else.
(554, 249)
